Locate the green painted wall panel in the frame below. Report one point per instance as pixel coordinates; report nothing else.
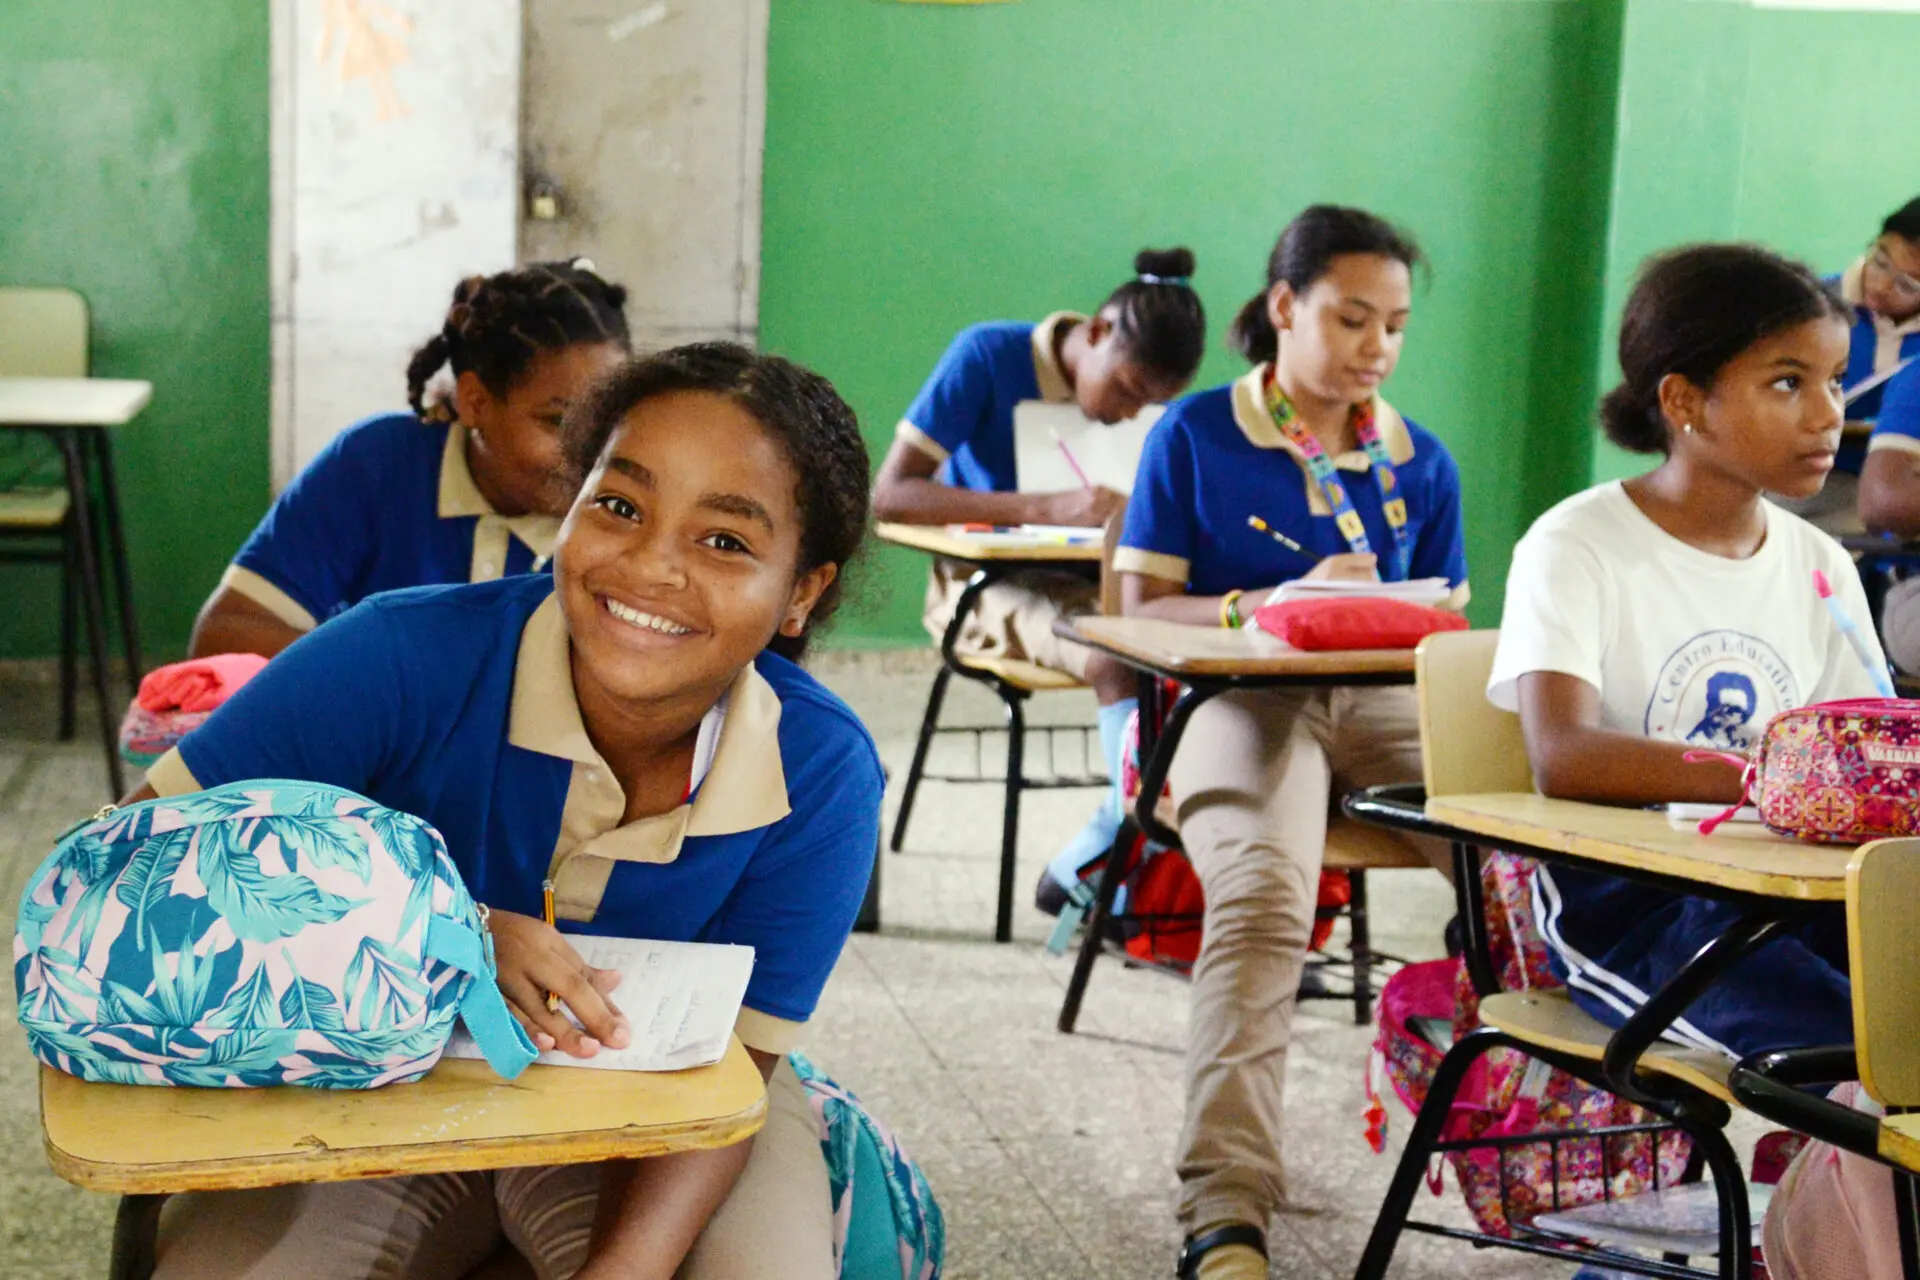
(930, 167)
(134, 144)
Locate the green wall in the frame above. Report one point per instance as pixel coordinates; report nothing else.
(1787, 127)
(928, 167)
(133, 138)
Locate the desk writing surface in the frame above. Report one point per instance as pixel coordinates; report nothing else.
(937, 540)
(1181, 649)
(1739, 857)
(1900, 1140)
(459, 1117)
(71, 402)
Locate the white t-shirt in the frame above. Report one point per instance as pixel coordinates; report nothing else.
(1682, 644)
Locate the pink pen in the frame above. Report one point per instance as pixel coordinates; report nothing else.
(1071, 460)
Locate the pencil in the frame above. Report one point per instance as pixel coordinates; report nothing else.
(546, 913)
(1072, 461)
(1255, 522)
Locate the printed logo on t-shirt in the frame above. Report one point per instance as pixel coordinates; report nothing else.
(1718, 690)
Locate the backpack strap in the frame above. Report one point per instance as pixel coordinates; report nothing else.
(502, 1039)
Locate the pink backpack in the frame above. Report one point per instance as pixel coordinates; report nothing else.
(1506, 1093)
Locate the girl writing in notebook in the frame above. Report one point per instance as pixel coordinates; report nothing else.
(464, 488)
(1676, 612)
(1305, 444)
(952, 461)
(635, 728)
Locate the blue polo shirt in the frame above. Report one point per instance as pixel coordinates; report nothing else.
(1898, 426)
(389, 503)
(456, 704)
(963, 417)
(1876, 345)
(1216, 458)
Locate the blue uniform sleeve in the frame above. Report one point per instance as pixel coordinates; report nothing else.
(329, 709)
(957, 398)
(1899, 421)
(1441, 549)
(1161, 535)
(797, 901)
(315, 542)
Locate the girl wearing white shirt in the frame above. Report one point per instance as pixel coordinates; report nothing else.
(1676, 612)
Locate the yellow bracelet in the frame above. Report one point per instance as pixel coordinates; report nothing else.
(1230, 609)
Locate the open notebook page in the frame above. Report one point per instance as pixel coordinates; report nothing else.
(682, 999)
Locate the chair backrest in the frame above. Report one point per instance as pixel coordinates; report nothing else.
(43, 333)
(1883, 948)
(1468, 746)
(1109, 580)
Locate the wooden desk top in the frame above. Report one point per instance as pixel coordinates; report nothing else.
(71, 402)
(1740, 857)
(1182, 650)
(144, 1139)
(934, 538)
(1900, 1140)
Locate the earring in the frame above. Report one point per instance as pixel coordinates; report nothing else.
(1687, 427)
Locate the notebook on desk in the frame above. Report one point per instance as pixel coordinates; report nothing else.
(682, 999)
(1109, 455)
(1427, 591)
(1027, 535)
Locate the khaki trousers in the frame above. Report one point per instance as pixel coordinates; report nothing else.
(1014, 617)
(1253, 783)
(776, 1225)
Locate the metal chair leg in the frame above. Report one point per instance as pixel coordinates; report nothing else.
(135, 1225)
(1010, 814)
(69, 629)
(928, 723)
(1094, 932)
(95, 599)
(1361, 947)
(102, 449)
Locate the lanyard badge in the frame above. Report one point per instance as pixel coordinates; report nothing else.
(1327, 476)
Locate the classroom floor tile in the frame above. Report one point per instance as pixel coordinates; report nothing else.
(1051, 1155)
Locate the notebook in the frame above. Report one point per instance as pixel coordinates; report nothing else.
(1109, 455)
(682, 999)
(1028, 535)
(1427, 591)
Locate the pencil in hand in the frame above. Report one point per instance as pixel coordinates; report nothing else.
(1072, 461)
(546, 913)
(1255, 522)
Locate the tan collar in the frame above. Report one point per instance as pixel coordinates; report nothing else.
(1054, 387)
(744, 790)
(1251, 416)
(1853, 290)
(461, 496)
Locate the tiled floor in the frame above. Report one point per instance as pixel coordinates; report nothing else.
(1051, 1154)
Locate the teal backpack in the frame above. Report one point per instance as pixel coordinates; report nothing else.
(260, 933)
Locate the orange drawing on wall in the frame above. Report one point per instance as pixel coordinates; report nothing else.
(373, 41)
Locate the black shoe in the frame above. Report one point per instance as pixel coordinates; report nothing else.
(1313, 982)
(1198, 1247)
(1456, 936)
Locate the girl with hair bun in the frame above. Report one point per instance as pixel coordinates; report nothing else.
(1305, 444)
(952, 462)
(467, 486)
(1675, 612)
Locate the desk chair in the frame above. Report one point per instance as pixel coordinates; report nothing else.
(43, 333)
(148, 1142)
(1013, 682)
(1469, 746)
(1789, 1088)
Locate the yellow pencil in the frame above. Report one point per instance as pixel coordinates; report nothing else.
(1279, 537)
(546, 912)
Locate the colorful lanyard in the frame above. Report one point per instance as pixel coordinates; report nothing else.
(1324, 473)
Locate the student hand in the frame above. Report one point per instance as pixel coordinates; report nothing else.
(1353, 566)
(534, 958)
(1081, 508)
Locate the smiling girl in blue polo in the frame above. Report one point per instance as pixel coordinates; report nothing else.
(464, 488)
(636, 729)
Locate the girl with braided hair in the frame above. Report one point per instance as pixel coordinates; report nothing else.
(467, 486)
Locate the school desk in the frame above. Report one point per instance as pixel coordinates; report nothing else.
(1012, 682)
(148, 1142)
(76, 414)
(1209, 661)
